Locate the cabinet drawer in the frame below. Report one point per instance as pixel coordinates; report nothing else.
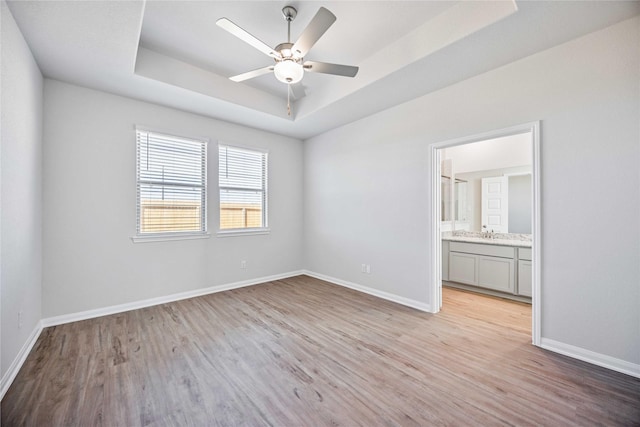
(480, 249)
(524, 253)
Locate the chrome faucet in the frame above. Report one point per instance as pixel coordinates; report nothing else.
(486, 233)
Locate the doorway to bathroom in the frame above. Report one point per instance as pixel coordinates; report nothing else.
(486, 217)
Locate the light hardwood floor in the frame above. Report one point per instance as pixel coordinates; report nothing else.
(303, 352)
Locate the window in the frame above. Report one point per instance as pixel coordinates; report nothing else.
(243, 188)
(171, 184)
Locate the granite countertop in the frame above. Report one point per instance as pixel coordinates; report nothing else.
(499, 239)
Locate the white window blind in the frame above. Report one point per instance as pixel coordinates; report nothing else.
(171, 184)
(243, 188)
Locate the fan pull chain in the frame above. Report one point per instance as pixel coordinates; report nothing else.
(289, 100)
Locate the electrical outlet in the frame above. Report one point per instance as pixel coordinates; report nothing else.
(243, 264)
(20, 319)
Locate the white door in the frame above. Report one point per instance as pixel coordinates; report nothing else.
(495, 204)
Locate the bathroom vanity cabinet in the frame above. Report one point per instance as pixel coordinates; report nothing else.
(494, 267)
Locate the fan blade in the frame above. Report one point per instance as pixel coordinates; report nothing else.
(316, 28)
(298, 90)
(243, 35)
(251, 74)
(326, 68)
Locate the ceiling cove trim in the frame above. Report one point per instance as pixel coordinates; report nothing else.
(452, 25)
(165, 69)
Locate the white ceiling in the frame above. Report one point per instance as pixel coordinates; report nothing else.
(173, 54)
(196, 40)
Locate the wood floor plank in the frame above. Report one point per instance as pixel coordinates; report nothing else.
(300, 352)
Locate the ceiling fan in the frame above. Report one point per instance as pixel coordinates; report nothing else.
(289, 66)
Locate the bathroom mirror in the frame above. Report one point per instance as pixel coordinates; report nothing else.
(454, 209)
(518, 200)
(460, 200)
(445, 197)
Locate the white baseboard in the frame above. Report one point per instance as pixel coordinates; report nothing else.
(371, 291)
(592, 357)
(548, 344)
(114, 309)
(17, 363)
(589, 356)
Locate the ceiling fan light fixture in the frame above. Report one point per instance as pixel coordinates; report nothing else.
(289, 71)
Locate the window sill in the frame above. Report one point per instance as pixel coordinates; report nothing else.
(168, 237)
(243, 232)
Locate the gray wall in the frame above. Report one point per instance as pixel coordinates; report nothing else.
(366, 188)
(21, 194)
(89, 202)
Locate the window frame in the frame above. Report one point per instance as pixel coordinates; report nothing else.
(246, 231)
(173, 235)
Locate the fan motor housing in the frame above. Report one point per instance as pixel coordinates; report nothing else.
(289, 13)
(285, 49)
